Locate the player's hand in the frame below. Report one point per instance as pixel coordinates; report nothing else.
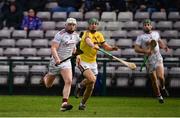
(148, 51)
(57, 62)
(166, 49)
(148, 43)
(74, 51)
(25, 28)
(96, 47)
(115, 48)
(78, 60)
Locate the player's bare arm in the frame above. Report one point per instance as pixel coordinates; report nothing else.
(138, 49)
(54, 47)
(77, 57)
(162, 45)
(74, 50)
(107, 47)
(78, 60)
(90, 43)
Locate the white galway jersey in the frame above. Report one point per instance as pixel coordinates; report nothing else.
(67, 42)
(144, 38)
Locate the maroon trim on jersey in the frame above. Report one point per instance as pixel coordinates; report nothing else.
(62, 31)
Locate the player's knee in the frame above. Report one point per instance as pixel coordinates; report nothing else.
(48, 85)
(153, 80)
(48, 80)
(92, 81)
(89, 75)
(161, 77)
(68, 82)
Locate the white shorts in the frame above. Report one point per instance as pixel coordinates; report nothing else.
(153, 62)
(153, 66)
(54, 70)
(92, 66)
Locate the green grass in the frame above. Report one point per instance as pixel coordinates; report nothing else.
(48, 106)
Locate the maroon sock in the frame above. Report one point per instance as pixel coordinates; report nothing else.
(64, 100)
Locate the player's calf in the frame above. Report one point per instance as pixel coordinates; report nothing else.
(77, 90)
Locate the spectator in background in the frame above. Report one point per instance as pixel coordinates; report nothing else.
(147, 5)
(132, 5)
(37, 5)
(31, 21)
(172, 5)
(13, 16)
(101, 5)
(142, 6)
(88, 5)
(177, 5)
(68, 6)
(118, 5)
(1, 14)
(3, 9)
(96, 5)
(156, 5)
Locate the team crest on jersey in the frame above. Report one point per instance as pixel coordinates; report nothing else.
(67, 37)
(68, 40)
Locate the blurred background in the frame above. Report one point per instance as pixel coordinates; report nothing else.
(27, 28)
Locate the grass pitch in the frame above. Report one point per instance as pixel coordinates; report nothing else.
(48, 106)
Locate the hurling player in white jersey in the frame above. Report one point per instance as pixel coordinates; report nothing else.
(154, 64)
(62, 46)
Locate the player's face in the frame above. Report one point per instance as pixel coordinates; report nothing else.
(93, 26)
(147, 27)
(71, 27)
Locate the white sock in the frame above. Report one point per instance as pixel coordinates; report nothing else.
(160, 97)
(79, 85)
(64, 103)
(81, 104)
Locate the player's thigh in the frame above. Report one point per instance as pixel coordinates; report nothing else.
(89, 70)
(89, 75)
(153, 76)
(66, 74)
(160, 70)
(91, 66)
